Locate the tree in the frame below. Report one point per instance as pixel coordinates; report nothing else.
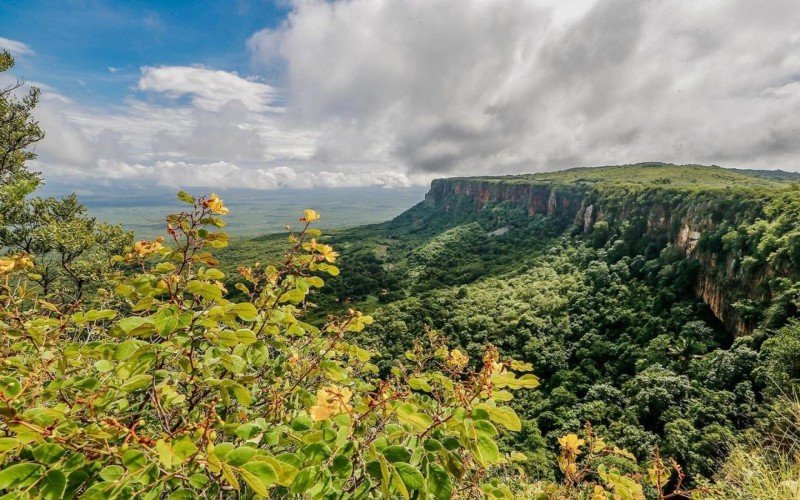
(71, 250)
(18, 132)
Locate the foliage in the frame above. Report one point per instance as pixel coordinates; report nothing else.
(165, 387)
(765, 465)
(653, 175)
(18, 132)
(71, 251)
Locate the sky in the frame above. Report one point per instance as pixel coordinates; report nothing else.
(392, 93)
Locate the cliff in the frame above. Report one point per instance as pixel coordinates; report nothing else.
(686, 218)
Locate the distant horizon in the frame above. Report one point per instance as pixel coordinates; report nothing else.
(158, 191)
(258, 212)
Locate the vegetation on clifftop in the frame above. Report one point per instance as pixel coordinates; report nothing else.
(650, 175)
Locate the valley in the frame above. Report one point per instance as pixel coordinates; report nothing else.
(647, 297)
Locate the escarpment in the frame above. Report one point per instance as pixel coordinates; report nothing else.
(689, 220)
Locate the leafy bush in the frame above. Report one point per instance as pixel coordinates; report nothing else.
(163, 387)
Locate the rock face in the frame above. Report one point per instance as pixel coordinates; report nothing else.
(459, 194)
(587, 218)
(679, 221)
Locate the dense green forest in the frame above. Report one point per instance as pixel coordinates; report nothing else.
(610, 317)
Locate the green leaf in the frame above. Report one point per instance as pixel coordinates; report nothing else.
(126, 349)
(223, 449)
(8, 444)
(208, 291)
(302, 422)
(228, 338)
(48, 453)
(165, 453)
(53, 485)
(487, 451)
(240, 392)
(233, 363)
(198, 481)
(183, 448)
(185, 197)
(503, 415)
(420, 384)
(315, 281)
(248, 431)
(246, 311)
(484, 427)
(240, 456)
(10, 387)
(508, 379)
(410, 475)
(136, 383)
(407, 414)
(399, 484)
(246, 337)
(104, 366)
(134, 459)
(230, 478)
(333, 371)
(129, 325)
(112, 473)
(167, 320)
(396, 453)
(341, 466)
(259, 476)
(304, 480)
(294, 296)
(20, 475)
(440, 485)
(98, 491)
(182, 494)
(431, 444)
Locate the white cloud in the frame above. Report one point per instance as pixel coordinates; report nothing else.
(208, 89)
(223, 175)
(17, 48)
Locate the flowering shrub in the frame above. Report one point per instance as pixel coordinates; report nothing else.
(163, 387)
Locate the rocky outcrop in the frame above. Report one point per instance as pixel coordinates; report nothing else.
(474, 194)
(681, 222)
(587, 218)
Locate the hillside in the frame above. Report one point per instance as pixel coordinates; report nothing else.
(644, 295)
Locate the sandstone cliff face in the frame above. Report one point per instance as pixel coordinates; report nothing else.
(450, 195)
(681, 224)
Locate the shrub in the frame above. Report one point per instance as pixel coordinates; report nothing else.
(161, 386)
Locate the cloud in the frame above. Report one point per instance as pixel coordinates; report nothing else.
(475, 87)
(188, 145)
(17, 48)
(224, 175)
(396, 92)
(208, 89)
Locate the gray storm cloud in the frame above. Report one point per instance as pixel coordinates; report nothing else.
(471, 86)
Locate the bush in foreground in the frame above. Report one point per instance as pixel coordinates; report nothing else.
(166, 388)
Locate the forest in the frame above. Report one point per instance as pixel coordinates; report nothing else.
(615, 332)
(612, 318)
